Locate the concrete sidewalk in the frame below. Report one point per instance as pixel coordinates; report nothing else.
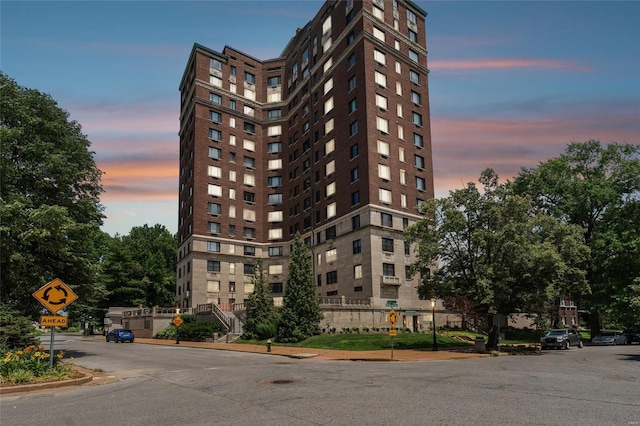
(329, 354)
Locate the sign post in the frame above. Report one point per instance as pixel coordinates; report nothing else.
(177, 321)
(393, 319)
(55, 296)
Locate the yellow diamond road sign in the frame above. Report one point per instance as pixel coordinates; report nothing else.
(393, 317)
(55, 295)
(177, 321)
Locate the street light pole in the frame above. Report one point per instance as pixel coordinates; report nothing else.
(433, 313)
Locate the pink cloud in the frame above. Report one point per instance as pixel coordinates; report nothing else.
(506, 63)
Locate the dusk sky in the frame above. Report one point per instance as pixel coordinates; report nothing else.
(511, 82)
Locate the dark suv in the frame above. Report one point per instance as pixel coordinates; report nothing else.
(633, 335)
(562, 338)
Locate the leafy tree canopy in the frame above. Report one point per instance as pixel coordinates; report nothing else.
(50, 210)
(597, 187)
(497, 249)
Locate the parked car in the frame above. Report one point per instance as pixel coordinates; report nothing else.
(120, 335)
(632, 335)
(562, 338)
(610, 338)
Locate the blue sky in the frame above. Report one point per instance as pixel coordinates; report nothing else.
(511, 82)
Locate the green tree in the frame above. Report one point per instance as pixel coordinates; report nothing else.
(49, 198)
(598, 188)
(261, 320)
(496, 249)
(16, 331)
(300, 315)
(139, 268)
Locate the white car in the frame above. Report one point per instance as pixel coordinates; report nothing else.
(610, 338)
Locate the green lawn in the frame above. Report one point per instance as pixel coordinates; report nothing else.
(371, 341)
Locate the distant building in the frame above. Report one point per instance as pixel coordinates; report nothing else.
(331, 139)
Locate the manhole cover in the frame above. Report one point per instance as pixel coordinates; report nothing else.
(280, 382)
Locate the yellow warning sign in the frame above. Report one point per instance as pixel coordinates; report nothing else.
(177, 321)
(54, 321)
(393, 332)
(55, 295)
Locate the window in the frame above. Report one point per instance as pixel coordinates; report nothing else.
(213, 265)
(249, 251)
(249, 78)
(414, 77)
(357, 246)
(249, 128)
(328, 85)
(327, 65)
(274, 81)
(215, 190)
(249, 215)
(275, 234)
(215, 81)
(216, 99)
(214, 227)
(329, 147)
(350, 38)
(274, 216)
(330, 234)
(249, 145)
(274, 113)
(351, 61)
(274, 130)
(353, 150)
(379, 57)
(213, 246)
(388, 269)
(421, 184)
(384, 172)
(357, 271)
(403, 200)
(386, 219)
(274, 164)
(352, 83)
(232, 104)
(215, 135)
(417, 140)
(215, 172)
(354, 174)
(274, 181)
(215, 153)
(249, 197)
(411, 17)
(387, 245)
(398, 67)
(355, 222)
(416, 118)
(380, 79)
(275, 199)
(355, 198)
(413, 36)
(381, 102)
(398, 88)
(330, 167)
(418, 161)
(328, 126)
(249, 162)
(353, 128)
(382, 124)
(232, 140)
(413, 55)
(379, 34)
(249, 180)
(385, 196)
(331, 189)
(399, 110)
(416, 98)
(383, 148)
(332, 277)
(331, 210)
(326, 26)
(400, 131)
(214, 208)
(378, 13)
(401, 155)
(216, 117)
(275, 251)
(274, 147)
(403, 177)
(352, 105)
(328, 105)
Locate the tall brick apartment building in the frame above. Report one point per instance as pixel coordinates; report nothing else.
(331, 140)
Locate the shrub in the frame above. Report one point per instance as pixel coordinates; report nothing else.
(16, 331)
(32, 364)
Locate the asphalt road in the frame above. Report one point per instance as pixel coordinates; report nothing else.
(163, 385)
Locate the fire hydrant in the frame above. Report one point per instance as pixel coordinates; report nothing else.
(269, 345)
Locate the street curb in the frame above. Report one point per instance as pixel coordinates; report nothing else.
(88, 377)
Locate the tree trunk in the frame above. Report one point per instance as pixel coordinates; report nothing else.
(594, 322)
(493, 332)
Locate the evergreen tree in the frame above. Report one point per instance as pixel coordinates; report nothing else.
(261, 320)
(300, 315)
